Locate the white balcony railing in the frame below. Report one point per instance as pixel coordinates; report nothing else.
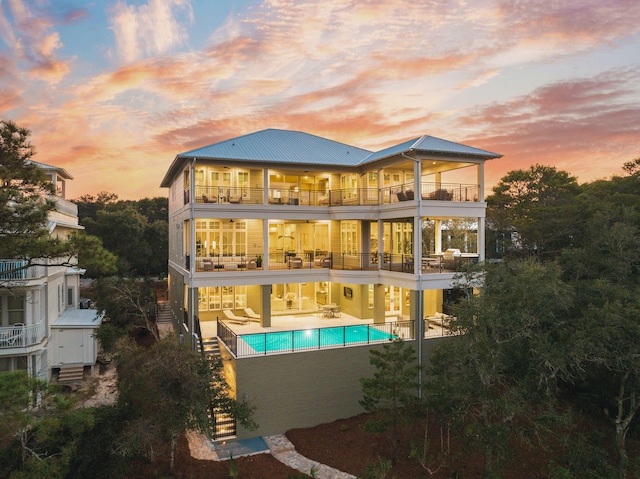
(20, 336)
(17, 270)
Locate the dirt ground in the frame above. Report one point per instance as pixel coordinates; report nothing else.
(341, 444)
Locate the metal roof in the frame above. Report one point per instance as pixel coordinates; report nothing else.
(437, 145)
(430, 144)
(61, 171)
(299, 148)
(282, 146)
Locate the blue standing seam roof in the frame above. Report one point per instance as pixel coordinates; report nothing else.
(282, 146)
(299, 148)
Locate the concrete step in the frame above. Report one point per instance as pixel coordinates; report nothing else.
(71, 373)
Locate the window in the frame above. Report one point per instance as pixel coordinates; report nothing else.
(70, 300)
(221, 238)
(243, 178)
(17, 363)
(15, 309)
(216, 298)
(349, 236)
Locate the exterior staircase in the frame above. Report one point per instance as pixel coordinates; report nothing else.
(71, 373)
(223, 426)
(163, 318)
(211, 348)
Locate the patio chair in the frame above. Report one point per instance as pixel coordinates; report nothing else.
(251, 314)
(233, 196)
(232, 318)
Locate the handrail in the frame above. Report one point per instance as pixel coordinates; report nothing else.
(19, 269)
(311, 339)
(20, 336)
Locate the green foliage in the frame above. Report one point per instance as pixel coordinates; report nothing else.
(108, 335)
(377, 470)
(538, 206)
(41, 428)
(92, 255)
(126, 304)
(18, 394)
(604, 268)
(391, 391)
(135, 231)
(233, 468)
(26, 199)
(586, 458)
(509, 357)
(95, 452)
(166, 389)
(221, 397)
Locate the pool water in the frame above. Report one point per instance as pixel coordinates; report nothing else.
(314, 338)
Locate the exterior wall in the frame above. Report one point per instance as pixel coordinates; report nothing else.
(304, 389)
(72, 346)
(254, 238)
(176, 298)
(176, 241)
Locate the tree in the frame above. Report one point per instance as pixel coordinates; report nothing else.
(127, 304)
(534, 208)
(26, 199)
(632, 167)
(166, 389)
(507, 357)
(18, 394)
(135, 231)
(92, 255)
(392, 389)
(604, 269)
(47, 426)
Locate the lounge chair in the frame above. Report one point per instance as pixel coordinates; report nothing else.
(251, 314)
(231, 317)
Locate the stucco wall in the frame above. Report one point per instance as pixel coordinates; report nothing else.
(303, 389)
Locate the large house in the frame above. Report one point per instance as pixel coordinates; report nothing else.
(299, 254)
(44, 326)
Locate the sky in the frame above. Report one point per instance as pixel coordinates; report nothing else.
(113, 90)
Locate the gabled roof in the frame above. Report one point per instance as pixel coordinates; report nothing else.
(299, 148)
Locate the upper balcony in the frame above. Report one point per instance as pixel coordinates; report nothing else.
(19, 270)
(292, 260)
(219, 195)
(21, 336)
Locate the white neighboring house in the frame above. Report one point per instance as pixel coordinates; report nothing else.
(40, 307)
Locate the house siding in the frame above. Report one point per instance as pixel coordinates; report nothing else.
(304, 389)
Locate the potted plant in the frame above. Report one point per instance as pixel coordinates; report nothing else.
(259, 261)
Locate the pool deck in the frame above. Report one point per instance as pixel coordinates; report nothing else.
(284, 323)
(301, 321)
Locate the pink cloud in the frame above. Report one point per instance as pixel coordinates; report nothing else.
(583, 126)
(148, 29)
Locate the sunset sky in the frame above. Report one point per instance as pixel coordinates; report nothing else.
(113, 90)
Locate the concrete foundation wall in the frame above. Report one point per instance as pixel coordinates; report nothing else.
(304, 389)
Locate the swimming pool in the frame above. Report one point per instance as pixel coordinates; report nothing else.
(319, 338)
